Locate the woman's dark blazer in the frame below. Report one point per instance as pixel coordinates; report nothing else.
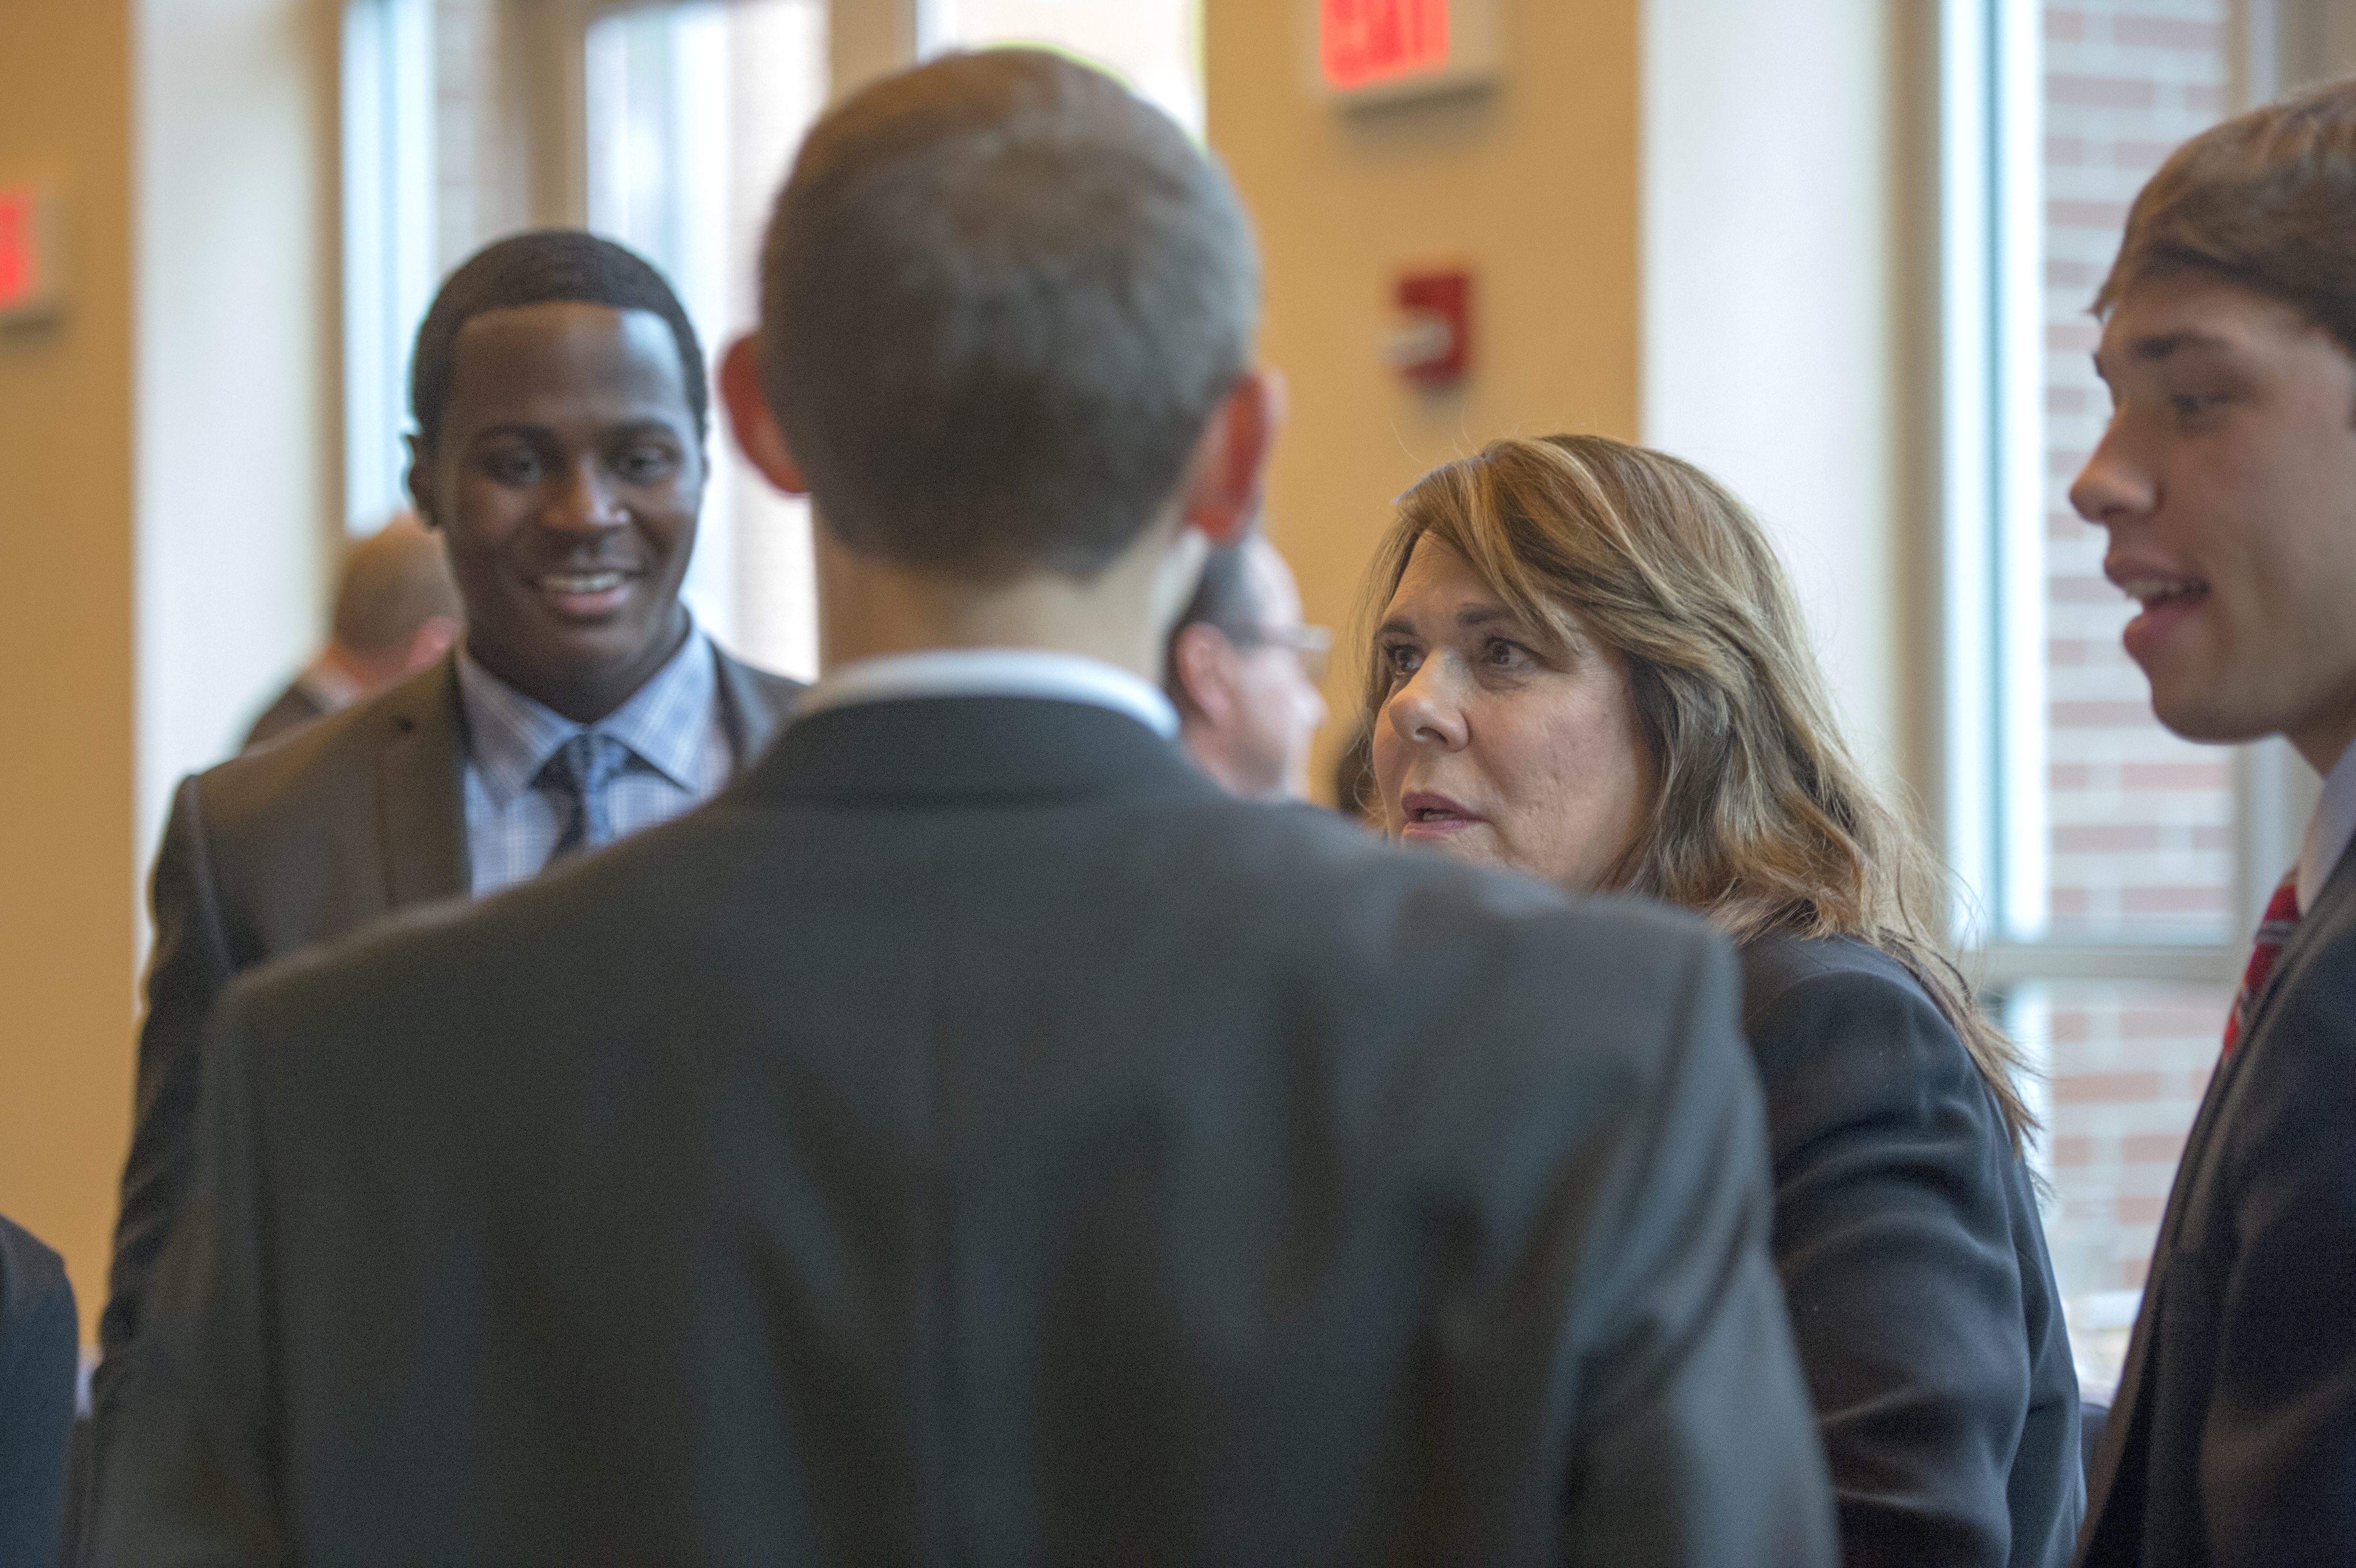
(1914, 1266)
(40, 1337)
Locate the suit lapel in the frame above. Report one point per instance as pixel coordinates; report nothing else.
(748, 711)
(420, 810)
(2332, 908)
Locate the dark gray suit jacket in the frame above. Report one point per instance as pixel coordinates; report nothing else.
(1914, 1265)
(2234, 1437)
(330, 830)
(292, 709)
(974, 1136)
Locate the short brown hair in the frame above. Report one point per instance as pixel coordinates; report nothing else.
(1001, 297)
(1760, 819)
(2266, 199)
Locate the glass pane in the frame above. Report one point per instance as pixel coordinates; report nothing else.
(2127, 1064)
(1153, 45)
(2140, 824)
(693, 113)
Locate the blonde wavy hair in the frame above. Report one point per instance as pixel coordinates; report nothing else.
(1760, 819)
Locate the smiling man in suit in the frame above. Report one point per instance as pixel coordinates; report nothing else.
(2227, 483)
(560, 400)
(977, 1136)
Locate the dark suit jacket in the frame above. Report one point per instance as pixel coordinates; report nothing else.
(360, 815)
(40, 1354)
(1914, 1266)
(2234, 1437)
(975, 1136)
(294, 708)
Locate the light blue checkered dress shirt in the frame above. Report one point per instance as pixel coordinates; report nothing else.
(674, 728)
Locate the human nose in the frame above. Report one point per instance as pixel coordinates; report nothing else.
(586, 499)
(2112, 488)
(1423, 712)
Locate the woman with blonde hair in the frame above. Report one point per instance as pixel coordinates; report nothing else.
(1589, 667)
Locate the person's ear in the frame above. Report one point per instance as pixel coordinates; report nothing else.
(1203, 664)
(757, 432)
(419, 481)
(1223, 484)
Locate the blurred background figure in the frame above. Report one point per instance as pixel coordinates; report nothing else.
(396, 612)
(39, 1349)
(1243, 672)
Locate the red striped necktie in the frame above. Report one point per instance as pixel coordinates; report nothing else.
(2274, 933)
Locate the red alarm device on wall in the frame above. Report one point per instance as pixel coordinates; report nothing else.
(28, 270)
(1432, 344)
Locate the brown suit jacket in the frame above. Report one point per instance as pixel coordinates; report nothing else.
(359, 815)
(294, 708)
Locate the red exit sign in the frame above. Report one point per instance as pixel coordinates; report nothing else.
(1381, 51)
(1360, 42)
(28, 283)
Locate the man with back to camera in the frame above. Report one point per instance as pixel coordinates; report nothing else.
(2227, 483)
(559, 398)
(396, 614)
(1243, 672)
(975, 1134)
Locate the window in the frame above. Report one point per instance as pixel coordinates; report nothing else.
(1155, 46)
(691, 114)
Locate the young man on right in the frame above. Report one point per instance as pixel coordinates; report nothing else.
(2227, 483)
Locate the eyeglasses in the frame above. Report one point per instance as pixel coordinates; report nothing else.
(1313, 646)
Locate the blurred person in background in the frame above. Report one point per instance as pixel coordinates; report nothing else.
(1243, 673)
(561, 406)
(396, 614)
(1589, 667)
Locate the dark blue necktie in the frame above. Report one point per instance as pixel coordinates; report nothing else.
(576, 776)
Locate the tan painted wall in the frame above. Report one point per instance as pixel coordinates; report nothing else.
(67, 882)
(1533, 185)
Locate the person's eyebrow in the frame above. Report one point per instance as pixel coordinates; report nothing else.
(2160, 345)
(524, 428)
(1396, 626)
(1474, 615)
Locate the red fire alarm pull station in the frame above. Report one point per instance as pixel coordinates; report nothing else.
(1432, 344)
(28, 283)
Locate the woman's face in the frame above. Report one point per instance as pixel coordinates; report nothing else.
(1495, 744)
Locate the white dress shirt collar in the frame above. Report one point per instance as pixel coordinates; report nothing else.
(2329, 831)
(991, 672)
